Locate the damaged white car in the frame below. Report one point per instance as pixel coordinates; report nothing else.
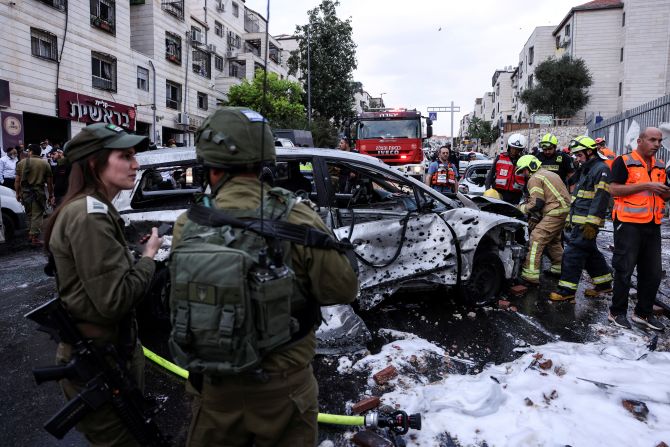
(406, 235)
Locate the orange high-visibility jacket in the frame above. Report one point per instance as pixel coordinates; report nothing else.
(644, 206)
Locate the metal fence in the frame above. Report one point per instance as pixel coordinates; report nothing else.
(614, 129)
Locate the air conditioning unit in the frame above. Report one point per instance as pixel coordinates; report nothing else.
(183, 118)
(211, 48)
(220, 8)
(231, 54)
(197, 37)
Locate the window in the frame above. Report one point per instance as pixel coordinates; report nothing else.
(202, 63)
(530, 81)
(620, 88)
(143, 79)
(173, 48)
(43, 44)
(531, 55)
(220, 6)
(621, 55)
(196, 35)
(218, 63)
(202, 101)
(58, 4)
(234, 40)
(103, 70)
(172, 95)
(237, 70)
(174, 7)
(103, 14)
(236, 9)
(567, 30)
(558, 42)
(218, 29)
(623, 19)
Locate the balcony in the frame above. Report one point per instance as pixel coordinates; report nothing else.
(174, 7)
(103, 24)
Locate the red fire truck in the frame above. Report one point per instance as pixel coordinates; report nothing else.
(394, 136)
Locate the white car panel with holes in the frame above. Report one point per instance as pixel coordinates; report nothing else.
(13, 214)
(472, 181)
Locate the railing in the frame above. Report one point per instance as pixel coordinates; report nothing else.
(174, 7)
(615, 128)
(172, 104)
(103, 83)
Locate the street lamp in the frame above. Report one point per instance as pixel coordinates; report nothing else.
(381, 100)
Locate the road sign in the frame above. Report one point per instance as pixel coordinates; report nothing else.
(545, 120)
(432, 116)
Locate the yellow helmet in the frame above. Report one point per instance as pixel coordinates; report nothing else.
(492, 193)
(549, 140)
(581, 143)
(528, 161)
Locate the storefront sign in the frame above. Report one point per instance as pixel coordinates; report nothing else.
(87, 109)
(12, 129)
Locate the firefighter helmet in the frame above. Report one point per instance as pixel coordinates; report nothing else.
(530, 162)
(581, 143)
(516, 140)
(549, 140)
(492, 193)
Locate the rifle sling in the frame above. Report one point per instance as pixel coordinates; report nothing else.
(300, 234)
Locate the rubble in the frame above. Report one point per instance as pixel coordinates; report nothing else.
(637, 408)
(382, 377)
(365, 404)
(518, 290)
(547, 364)
(367, 438)
(503, 304)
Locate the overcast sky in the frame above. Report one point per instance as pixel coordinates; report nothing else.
(403, 53)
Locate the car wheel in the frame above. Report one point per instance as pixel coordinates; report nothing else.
(9, 225)
(486, 281)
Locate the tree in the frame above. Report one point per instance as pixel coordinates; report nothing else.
(561, 88)
(332, 61)
(482, 131)
(283, 99)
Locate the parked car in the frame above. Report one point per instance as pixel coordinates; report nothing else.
(283, 142)
(13, 214)
(474, 177)
(464, 160)
(406, 234)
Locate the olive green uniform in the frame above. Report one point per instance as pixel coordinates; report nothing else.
(100, 285)
(281, 410)
(38, 176)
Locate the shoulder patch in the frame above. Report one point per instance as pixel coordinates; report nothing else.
(93, 206)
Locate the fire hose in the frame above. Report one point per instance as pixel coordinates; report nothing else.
(399, 421)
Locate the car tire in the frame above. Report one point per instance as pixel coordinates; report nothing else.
(9, 225)
(485, 282)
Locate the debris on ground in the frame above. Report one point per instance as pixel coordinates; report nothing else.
(503, 304)
(364, 405)
(368, 438)
(637, 408)
(518, 290)
(385, 375)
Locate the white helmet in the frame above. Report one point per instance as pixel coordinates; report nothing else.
(516, 140)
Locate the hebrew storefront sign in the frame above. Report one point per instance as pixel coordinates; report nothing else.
(88, 109)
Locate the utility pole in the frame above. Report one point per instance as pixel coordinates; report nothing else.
(309, 83)
(451, 109)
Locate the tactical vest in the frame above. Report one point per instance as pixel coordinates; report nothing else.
(644, 206)
(228, 310)
(444, 176)
(506, 179)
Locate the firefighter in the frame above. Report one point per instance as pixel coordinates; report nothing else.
(547, 207)
(502, 175)
(607, 152)
(640, 191)
(587, 215)
(442, 175)
(555, 161)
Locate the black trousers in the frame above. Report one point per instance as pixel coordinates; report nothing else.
(636, 245)
(580, 254)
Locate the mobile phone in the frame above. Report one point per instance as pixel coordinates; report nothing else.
(164, 229)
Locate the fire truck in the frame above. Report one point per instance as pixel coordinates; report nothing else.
(394, 136)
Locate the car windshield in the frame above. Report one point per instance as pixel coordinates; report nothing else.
(389, 129)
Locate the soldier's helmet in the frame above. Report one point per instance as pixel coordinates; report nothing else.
(234, 136)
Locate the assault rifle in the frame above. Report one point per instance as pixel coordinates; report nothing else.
(105, 378)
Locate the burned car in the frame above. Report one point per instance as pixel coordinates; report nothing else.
(407, 236)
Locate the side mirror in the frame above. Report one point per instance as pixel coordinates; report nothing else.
(429, 129)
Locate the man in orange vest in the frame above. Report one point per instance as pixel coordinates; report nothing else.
(502, 177)
(607, 152)
(640, 191)
(442, 175)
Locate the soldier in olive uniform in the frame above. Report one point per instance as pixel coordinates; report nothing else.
(279, 406)
(32, 175)
(98, 280)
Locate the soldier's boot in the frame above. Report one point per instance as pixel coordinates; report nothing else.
(599, 290)
(562, 294)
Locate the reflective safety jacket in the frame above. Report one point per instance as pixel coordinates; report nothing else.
(548, 194)
(591, 194)
(644, 206)
(444, 176)
(609, 153)
(505, 178)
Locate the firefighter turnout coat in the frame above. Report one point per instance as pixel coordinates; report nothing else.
(591, 194)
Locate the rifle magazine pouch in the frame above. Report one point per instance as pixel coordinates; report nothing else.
(271, 294)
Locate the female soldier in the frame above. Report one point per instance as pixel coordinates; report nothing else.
(98, 281)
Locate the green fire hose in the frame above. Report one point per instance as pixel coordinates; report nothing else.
(398, 421)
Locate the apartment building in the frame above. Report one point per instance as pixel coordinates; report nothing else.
(539, 47)
(155, 67)
(502, 95)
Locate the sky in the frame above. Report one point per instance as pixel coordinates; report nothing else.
(427, 53)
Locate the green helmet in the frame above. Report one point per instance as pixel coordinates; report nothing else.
(581, 143)
(527, 161)
(232, 136)
(549, 140)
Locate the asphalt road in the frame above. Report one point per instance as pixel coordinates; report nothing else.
(490, 335)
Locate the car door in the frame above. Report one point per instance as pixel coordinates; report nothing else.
(398, 236)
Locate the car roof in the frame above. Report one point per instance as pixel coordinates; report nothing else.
(479, 163)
